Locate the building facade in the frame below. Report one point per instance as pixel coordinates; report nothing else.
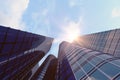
(20, 51)
(47, 71)
(91, 57)
(79, 63)
(106, 42)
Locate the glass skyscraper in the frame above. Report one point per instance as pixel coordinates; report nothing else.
(79, 63)
(47, 71)
(20, 52)
(92, 57)
(106, 42)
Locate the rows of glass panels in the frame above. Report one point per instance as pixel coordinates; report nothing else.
(93, 64)
(45, 67)
(84, 66)
(107, 42)
(14, 42)
(15, 66)
(17, 51)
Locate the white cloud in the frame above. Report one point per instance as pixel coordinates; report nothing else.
(73, 3)
(11, 12)
(40, 19)
(116, 12)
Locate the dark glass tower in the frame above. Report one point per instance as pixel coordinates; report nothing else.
(92, 57)
(20, 51)
(47, 70)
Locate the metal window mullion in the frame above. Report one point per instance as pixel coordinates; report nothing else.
(98, 69)
(111, 41)
(100, 64)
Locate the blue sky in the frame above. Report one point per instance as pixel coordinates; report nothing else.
(60, 18)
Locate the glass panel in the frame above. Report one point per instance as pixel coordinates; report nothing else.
(104, 56)
(116, 62)
(7, 48)
(11, 37)
(110, 69)
(2, 38)
(97, 75)
(95, 60)
(81, 60)
(74, 66)
(3, 67)
(79, 74)
(4, 57)
(87, 67)
(17, 46)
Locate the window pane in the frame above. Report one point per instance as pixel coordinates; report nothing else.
(87, 67)
(110, 69)
(79, 74)
(97, 75)
(7, 48)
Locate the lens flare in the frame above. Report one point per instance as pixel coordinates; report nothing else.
(71, 33)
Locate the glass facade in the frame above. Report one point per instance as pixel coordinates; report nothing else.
(106, 42)
(20, 51)
(93, 57)
(86, 64)
(47, 70)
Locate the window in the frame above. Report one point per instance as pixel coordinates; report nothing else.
(110, 69)
(79, 74)
(87, 67)
(7, 48)
(2, 38)
(95, 60)
(74, 66)
(3, 57)
(97, 75)
(81, 60)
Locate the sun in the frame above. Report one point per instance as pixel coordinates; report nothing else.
(72, 33)
(72, 37)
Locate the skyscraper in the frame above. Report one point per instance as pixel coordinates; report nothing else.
(47, 70)
(79, 63)
(20, 51)
(91, 57)
(106, 42)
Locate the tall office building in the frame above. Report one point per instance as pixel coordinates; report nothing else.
(20, 52)
(91, 57)
(79, 63)
(47, 70)
(106, 42)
